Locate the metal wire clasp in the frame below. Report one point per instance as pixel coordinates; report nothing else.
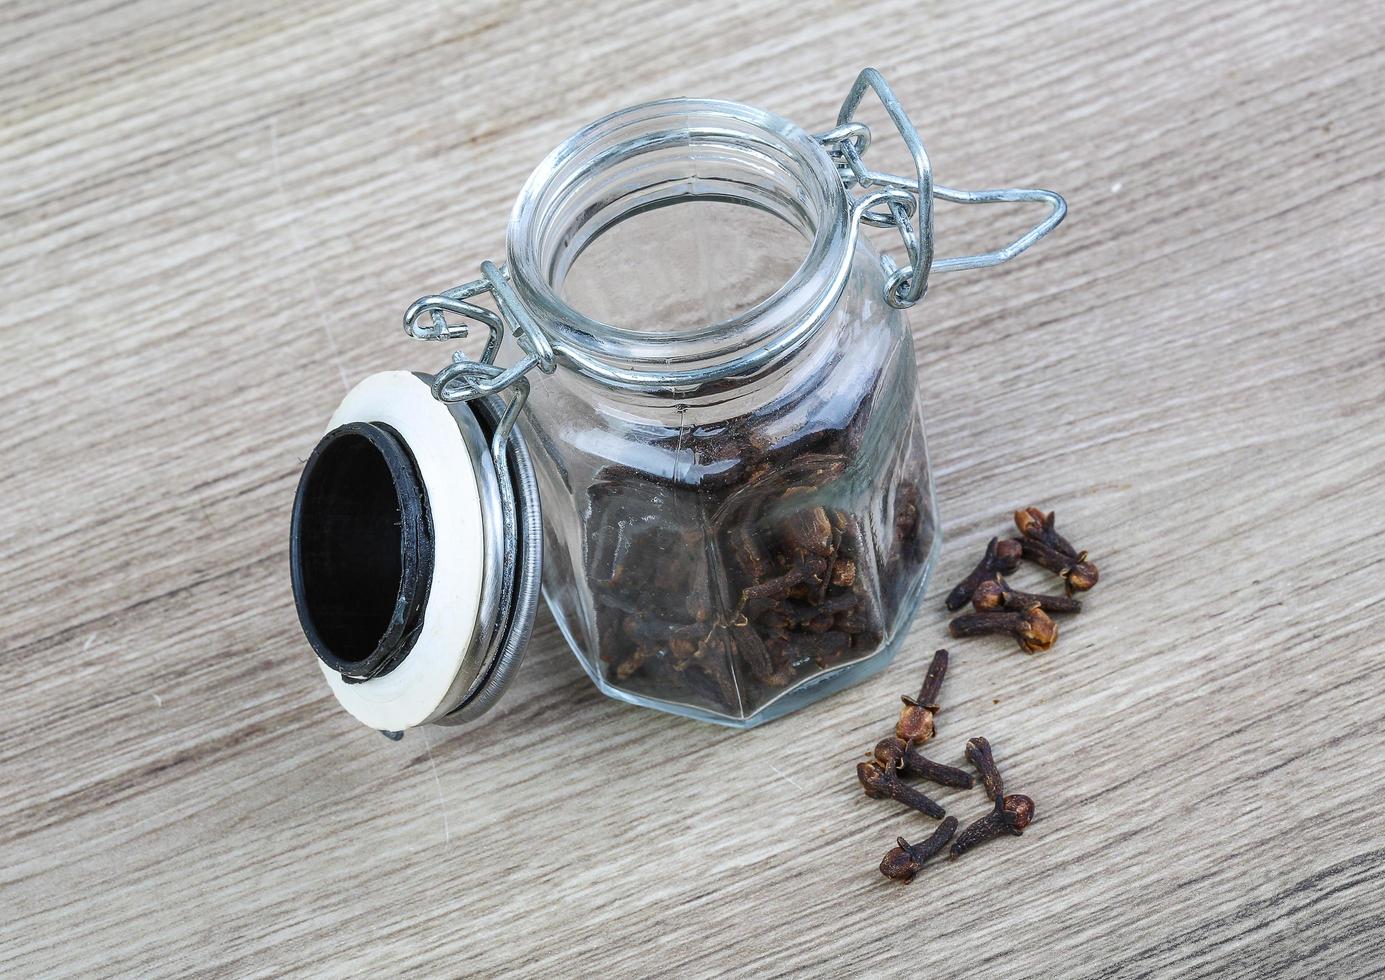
(465, 379)
(847, 143)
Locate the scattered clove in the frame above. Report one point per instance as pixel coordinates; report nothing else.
(916, 717)
(895, 753)
(880, 783)
(1031, 627)
(998, 608)
(1002, 556)
(996, 593)
(915, 722)
(904, 860)
(979, 755)
(1010, 815)
(1077, 573)
(933, 680)
(1037, 526)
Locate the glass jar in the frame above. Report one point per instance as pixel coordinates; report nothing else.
(732, 550)
(726, 434)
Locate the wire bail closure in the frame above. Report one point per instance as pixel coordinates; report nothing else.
(888, 201)
(847, 142)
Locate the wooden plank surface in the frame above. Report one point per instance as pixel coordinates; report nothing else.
(213, 215)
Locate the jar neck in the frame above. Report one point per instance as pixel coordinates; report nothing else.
(674, 151)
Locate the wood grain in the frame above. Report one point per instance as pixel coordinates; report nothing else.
(211, 217)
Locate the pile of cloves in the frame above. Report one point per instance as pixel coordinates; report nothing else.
(785, 582)
(998, 608)
(1025, 616)
(896, 757)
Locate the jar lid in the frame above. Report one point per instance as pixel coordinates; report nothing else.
(415, 553)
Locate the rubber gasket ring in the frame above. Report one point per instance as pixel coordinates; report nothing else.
(416, 545)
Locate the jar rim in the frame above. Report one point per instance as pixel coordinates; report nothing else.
(783, 320)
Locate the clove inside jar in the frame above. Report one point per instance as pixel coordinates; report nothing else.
(724, 432)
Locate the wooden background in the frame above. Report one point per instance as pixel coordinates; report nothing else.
(213, 216)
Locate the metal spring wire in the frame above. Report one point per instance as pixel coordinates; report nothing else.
(523, 565)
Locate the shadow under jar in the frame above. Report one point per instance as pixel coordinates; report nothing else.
(732, 550)
(718, 476)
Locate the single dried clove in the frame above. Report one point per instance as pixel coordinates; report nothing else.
(915, 722)
(1031, 627)
(809, 531)
(1001, 556)
(880, 783)
(1077, 573)
(916, 717)
(1037, 526)
(906, 514)
(996, 593)
(750, 554)
(773, 588)
(979, 755)
(933, 680)
(895, 753)
(904, 860)
(846, 525)
(1010, 815)
(752, 649)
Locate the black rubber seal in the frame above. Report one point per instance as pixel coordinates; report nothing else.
(361, 550)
